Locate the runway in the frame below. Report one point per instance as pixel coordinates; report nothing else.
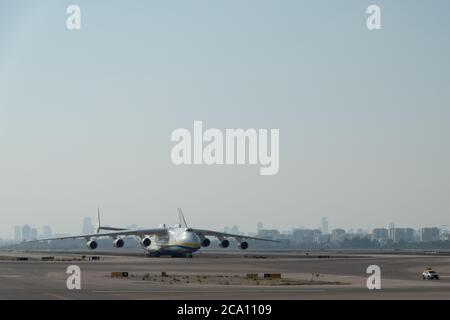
(400, 276)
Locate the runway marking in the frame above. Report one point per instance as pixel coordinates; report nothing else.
(54, 295)
(11, 276)
(207, 291)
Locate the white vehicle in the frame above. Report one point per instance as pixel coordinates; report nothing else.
(430, 274)
(176, 241)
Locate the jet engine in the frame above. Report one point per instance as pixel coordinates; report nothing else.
(91, 244)
(118, 243)
(243, 245)
(224, 243)
(206, 242)
(146, 242)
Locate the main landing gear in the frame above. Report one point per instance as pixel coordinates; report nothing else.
(155, 254)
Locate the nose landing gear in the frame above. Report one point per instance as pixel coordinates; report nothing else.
(155, 254)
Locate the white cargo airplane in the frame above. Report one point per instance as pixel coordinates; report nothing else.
(176, 241)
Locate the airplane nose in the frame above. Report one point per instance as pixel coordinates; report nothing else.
(191, 237)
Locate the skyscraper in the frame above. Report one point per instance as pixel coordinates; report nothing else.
(324, 226)
(26, 233)
(88, 228)
(46, 232)
(259, 227)
(33, 234)
(337, 235)
(401, 234)
(380, 234)
(429, 234)
(235, 230)
(306, 236)
(17, 233)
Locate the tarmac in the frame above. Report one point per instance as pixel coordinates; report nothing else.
(400, 276)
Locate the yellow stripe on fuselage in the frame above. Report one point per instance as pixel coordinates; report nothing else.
(192, 245)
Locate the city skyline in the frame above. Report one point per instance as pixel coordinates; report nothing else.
(391, 231)
(319, 225)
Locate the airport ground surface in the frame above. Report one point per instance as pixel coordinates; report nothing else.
(400, 274)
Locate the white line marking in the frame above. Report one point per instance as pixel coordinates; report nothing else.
(199, 291)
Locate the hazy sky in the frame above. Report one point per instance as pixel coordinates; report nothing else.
(86, 116)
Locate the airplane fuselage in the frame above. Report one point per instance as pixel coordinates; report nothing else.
(178, 242)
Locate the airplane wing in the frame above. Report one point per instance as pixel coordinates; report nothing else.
(138, 233)
(228, 235)
(218, 235)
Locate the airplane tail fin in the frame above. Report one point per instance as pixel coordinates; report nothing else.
(181, 218)
(99, 225)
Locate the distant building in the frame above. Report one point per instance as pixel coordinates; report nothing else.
(380, 234)
(401, 234)
(445, 235)
(391, 233)
(306, 236)
(430, 234)
(361, 232)
(269, 234)
(410, 235)
(285, 238)
(33, 234)
(46, 232)
(17, 233)
(26, 233)
(337, 235)
(235, 230)
(259, 227)
(324, 226)
(88, 228)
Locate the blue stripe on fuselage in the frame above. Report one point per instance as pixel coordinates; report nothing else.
(173, 249)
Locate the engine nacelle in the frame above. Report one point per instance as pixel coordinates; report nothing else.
(224, 243)
(92, 244)
(243, 245)
(146, 242)
(118, 243)
(206, 242)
